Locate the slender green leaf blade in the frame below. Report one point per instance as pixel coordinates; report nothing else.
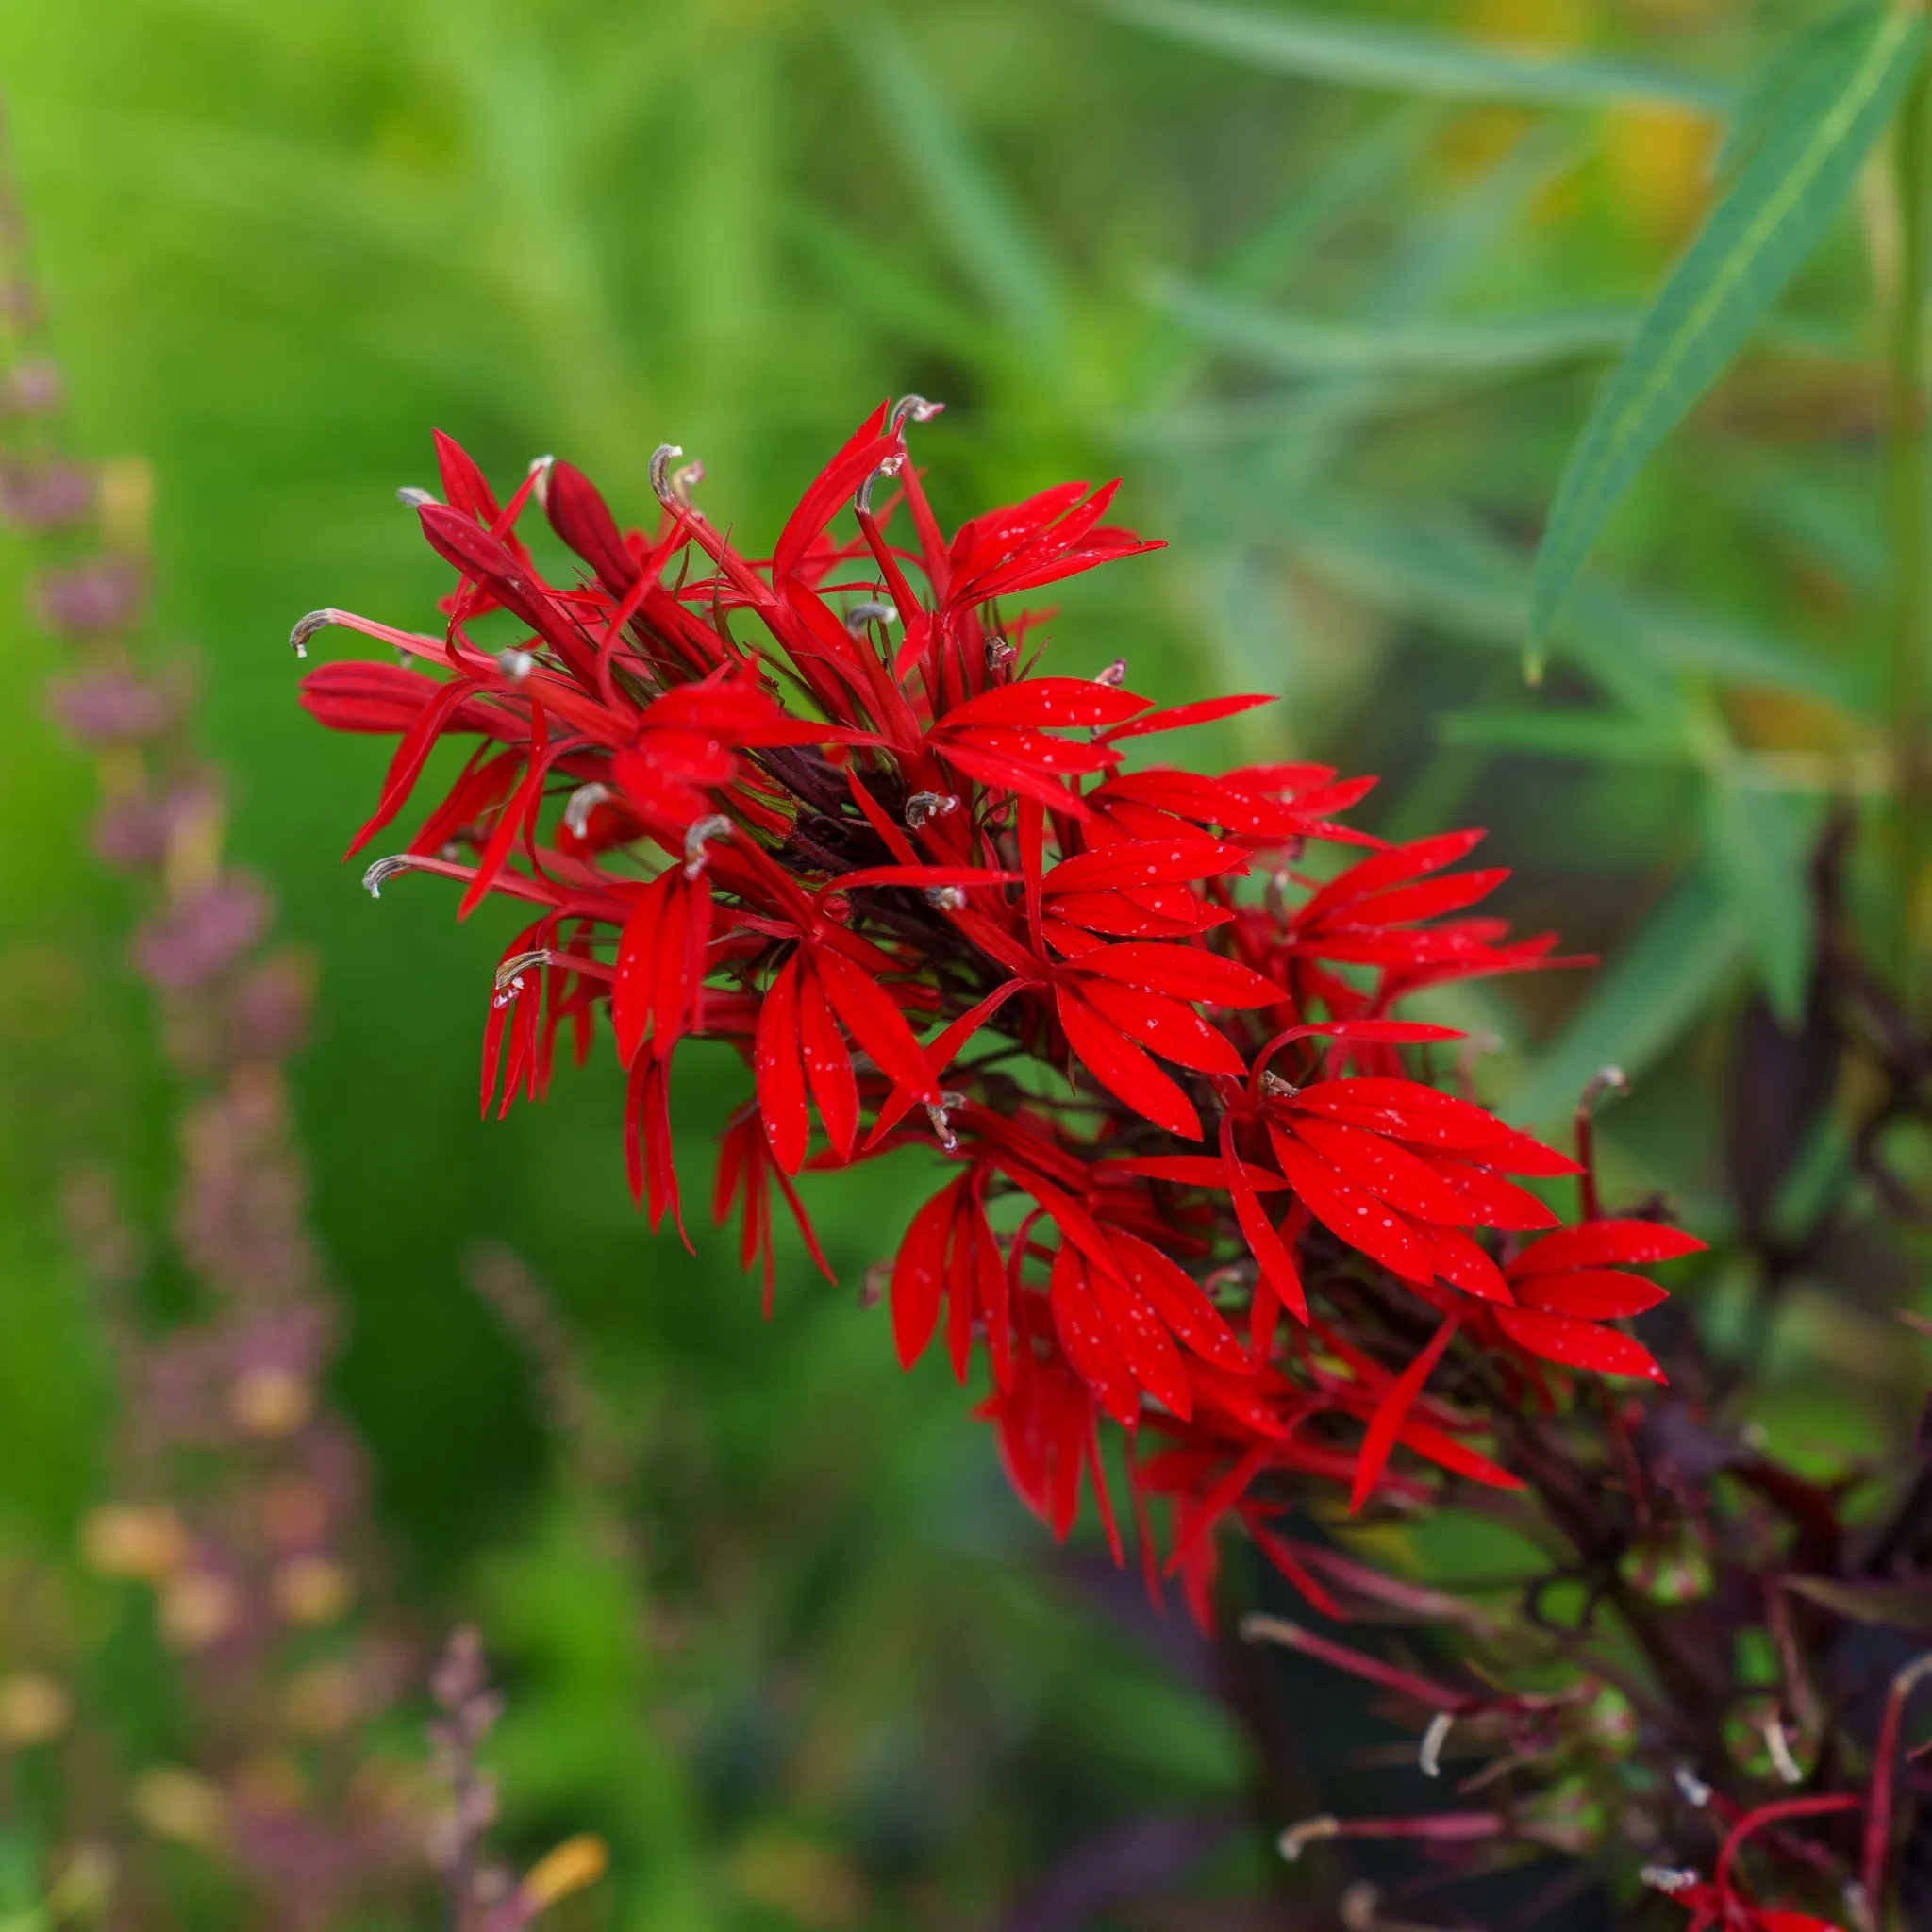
(1753, 243)
(1313, 345)
(1661, 983)
(1775, 86)
(1756, 845)
(1359, 54)
(991, 237)
(1571, 734)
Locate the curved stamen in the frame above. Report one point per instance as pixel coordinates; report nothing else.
(384, 869)
(306, 628)
(890, 467)
(660, 473)
(916, 409)
(582, 802)
(716, 827)
(922, 805)
(873, 610)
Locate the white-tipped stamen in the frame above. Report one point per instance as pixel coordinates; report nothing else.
(686, 478)
(384, 869)
(1696, 1793)
(1115, 676)
(946, 898)
(716, 827)
(1669, 1878)
(999, 653)
(510, 974)
(515, 665)
(506, 990)
(660, 473)
(306, 628)
(1430, 1757)
(1298, 1837)
(925, 805)
(941, 1117)
(915, 408)
(541, 468)
(890, 467)
(581, 803)
(1605, 1080)
(413, 496)
(1779, 1746)
(873, 610)
(1277, 1087)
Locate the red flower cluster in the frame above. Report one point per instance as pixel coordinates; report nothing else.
(1201, 1182)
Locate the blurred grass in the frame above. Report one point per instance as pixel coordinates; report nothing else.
(1338, 341)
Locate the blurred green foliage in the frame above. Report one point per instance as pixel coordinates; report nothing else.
(1331, 291)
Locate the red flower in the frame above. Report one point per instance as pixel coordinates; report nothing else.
(1202, 1185)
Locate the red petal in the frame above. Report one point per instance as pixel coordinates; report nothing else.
(1167, 1026)
(1392, 1412)
(580, 516)
(829, 491)
(1578, 1344)
(1203, 711)
(1275, 1262)
(1369, 1160)
(781, 1075)
(1462, 1261)
(1189, 972)
(1194, 1170)
(1089, 1344)
(1123, 1070)
(1143, 1342)
(919, 1275)
(827, 1066)
(1047, 704)
(1430, 900)
(637, 969)
(1604, 1243)
(1007, 775)
(1595, 1295)
(1360, 1220)
(1387, 869)
(876, 1024)
(1181, 1302)
(1494, 1202)
(1145, 862)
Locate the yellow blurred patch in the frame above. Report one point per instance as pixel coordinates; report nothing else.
(133, 1540)
(271, 1401)
(1546, 25)
(34, 1709)
(575, 1863)
(311, 1589)
(181, 1805)
(1658, 162)
(199, 1607)
(791, 1874)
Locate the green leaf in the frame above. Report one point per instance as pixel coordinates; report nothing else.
(991, 237)
(1895, 1606)
(1756, 844)
(1458, 577)
(1311, 346)
(1571, 734)
(1357, 53)
(1775, 86)
(1659, 985)
(1753, 243)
